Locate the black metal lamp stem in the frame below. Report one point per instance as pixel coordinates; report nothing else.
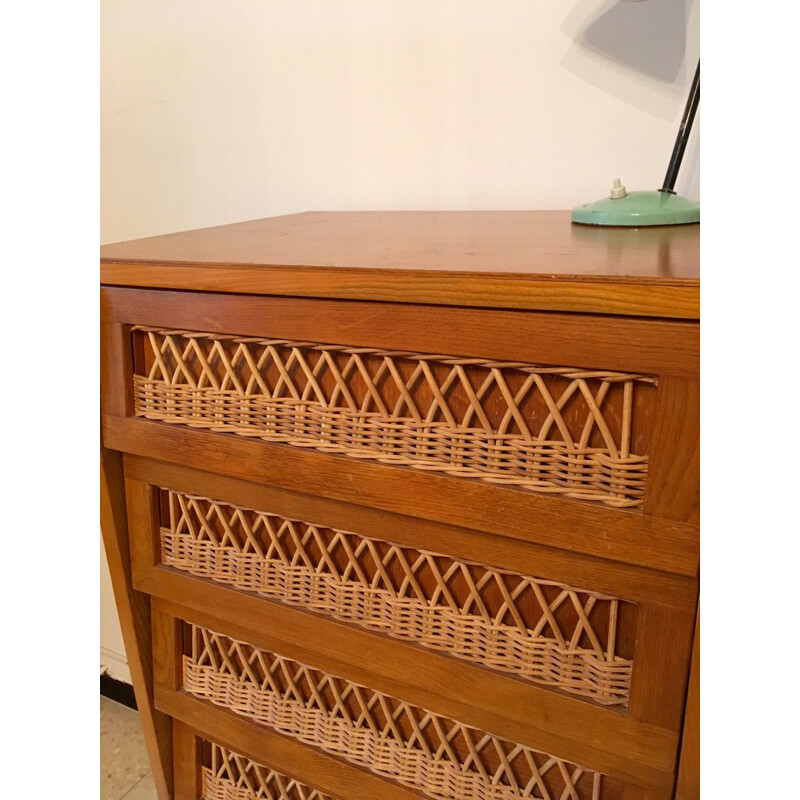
(683, 134)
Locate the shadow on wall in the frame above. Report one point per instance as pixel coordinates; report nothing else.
(646, 37)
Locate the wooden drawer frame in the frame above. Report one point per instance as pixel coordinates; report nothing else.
(650, 558)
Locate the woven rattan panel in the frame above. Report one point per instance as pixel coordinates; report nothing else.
(545, 632)
(229, 776)
(420, 749)
(567, 431)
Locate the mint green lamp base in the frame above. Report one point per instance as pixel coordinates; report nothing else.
(638, 209)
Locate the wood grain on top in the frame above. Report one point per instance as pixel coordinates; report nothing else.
(504, 259)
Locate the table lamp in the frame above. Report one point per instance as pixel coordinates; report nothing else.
(662, 207)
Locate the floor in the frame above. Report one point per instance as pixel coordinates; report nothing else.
(124, 768)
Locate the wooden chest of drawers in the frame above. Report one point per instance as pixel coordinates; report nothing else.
(406, 504)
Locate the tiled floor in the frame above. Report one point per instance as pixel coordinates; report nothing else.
(124, 769)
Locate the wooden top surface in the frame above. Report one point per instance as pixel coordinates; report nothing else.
(505, 259)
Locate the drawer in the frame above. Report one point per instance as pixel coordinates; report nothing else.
(558, 430)
(385, 735)
(392, 738)
(562, 637)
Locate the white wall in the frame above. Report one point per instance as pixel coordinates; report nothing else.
(113, 660)
(217, 111)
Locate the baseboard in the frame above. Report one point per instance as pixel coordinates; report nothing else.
(114, 664)
(119, 691)
(115, 677)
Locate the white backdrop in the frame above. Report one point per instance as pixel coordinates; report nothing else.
(218, 111)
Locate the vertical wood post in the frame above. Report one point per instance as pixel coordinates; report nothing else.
(134, 616)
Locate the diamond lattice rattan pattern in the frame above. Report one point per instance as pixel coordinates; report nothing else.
(538, 630)
(230, 776)
(420, 749)
(546, 429)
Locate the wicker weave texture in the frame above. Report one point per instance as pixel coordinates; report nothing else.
(538, 630)
(230, 776)
(546, 429)
(420, 749)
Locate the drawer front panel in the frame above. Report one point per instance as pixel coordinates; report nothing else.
(556, 430)
(229, 776)
(552, 634)
(418, 748)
